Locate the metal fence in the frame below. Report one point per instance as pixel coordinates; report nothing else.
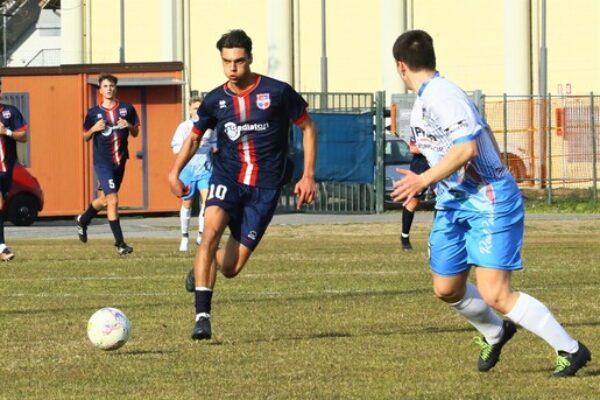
(341, 197)
(549, 143)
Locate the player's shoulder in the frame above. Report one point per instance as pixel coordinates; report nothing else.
(274, 84)
(9, 110)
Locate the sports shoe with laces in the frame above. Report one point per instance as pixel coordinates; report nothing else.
(406, 246)
(183, 245)
(190, 281)
(490, 353)
(567, 364)
(81, 230)
(6, 254)
(202, 329)
(123, 248)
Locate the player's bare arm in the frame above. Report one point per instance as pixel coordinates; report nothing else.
(187, 151)
(99, 126)
(19, 136)
(306, 188)
(412, 184)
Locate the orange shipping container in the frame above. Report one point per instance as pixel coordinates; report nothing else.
(56, 101)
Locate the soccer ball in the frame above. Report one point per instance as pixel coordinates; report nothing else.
(108, 328)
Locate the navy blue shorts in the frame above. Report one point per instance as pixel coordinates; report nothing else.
(6, 179)
(418, 165)
(110, 178)
(250, 208)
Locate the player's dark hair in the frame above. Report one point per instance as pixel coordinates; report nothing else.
(195, 99)
(415, 49)
(106, 76)
(235, 38)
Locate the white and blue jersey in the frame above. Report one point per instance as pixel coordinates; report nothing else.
(480, 217)
(443, 115)
(199, 168)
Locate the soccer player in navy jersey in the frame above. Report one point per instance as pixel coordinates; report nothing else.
(251, 115)
(13, 129)
(418, 165)
(480, 217)
(109, 125)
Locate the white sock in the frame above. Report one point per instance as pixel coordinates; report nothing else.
(479, 314)
(202, 314)
(185, 214)
(534, 316)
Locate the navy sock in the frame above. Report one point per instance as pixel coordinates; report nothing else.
(203, 301)
(115, 227)
(88, 215)
(407, 220)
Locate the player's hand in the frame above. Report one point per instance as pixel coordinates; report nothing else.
(99, 126)
(177, 187)
(123, 123)
(306, 191)
(406, 189)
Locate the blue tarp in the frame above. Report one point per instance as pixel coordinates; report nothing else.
(345, 148)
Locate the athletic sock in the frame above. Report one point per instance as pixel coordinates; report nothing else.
(479, 314)
(88, 215)
(407, 220)
(185, 214)
(534, 316)
(115, 227)
(203, 301)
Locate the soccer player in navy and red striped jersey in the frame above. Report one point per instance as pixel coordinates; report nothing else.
(13, 129)
(251, 115)
(109, 125)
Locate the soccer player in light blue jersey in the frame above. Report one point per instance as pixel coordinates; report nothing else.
(479, 221)
(196, 173)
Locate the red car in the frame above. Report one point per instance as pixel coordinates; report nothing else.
(25, 199)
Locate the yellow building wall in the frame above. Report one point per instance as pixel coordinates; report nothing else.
(468, 35)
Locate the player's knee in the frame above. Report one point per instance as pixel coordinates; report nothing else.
(230, 273)
(448, 294)
(497, 301)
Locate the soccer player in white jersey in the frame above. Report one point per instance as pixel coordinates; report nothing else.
(479, 221)
(195, 174)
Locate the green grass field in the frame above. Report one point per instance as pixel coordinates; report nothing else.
(320, 312)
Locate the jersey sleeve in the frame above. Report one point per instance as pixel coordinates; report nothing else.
(132, 116)
(294, 105)
(206, 120)
(89, 121)
(178, 138)
(456, 119)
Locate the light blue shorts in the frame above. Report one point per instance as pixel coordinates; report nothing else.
(492, 239)
(194, 181)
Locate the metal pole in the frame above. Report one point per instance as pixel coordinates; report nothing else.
(379, 151)
(323, 48)
(549, 149)
(505, 122)
(4, 49)
(543, 54)
(594, 150)
(122, 48)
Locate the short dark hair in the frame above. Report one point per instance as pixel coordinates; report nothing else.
(415, 48)
(106, 76)
(235, 38)
(195, 99)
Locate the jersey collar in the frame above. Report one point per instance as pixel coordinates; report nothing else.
(246, 91)
(424, 85)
